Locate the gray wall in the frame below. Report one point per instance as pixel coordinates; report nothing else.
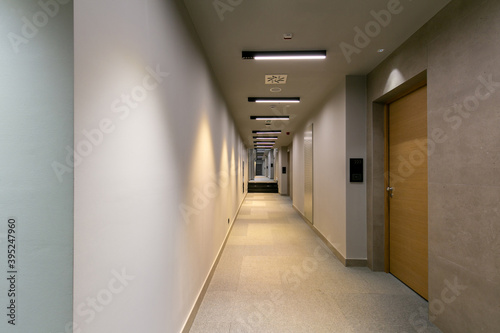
(282, 162)
(355, 148)
(36, 127)
(459, 51)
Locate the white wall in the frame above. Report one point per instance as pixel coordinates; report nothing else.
(36, 90)
(330, 170)
(154, 196)
(339, 134)
(298, 170)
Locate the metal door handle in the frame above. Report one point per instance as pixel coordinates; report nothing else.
(390, 190)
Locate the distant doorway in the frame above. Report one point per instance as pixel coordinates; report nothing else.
(258, 169)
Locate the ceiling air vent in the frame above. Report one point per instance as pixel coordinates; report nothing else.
(276, 79)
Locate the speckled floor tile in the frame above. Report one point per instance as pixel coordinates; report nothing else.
(276, 276)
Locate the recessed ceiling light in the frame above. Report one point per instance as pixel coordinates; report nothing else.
(265, 138)
(263, 146)
(270, 117)
(284, 55)
(380, 50)
(274, 99)
(275, 90)
(263, 143)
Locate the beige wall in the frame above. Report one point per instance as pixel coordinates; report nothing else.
(459, 51)
(330, 170)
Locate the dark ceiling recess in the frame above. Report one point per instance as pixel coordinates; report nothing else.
(270, 117)
(274, 99)
(260, 137)
(267, 132)
(283, 55)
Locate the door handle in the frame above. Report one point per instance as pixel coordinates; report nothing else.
(390, 190)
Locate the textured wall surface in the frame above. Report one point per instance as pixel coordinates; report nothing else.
(459, 49)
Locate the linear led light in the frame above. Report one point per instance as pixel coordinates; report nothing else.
(263, 143)
(284, 55)
(265, 138)
(263, 146)
(270, 117)
(267, 132)
(274, 99)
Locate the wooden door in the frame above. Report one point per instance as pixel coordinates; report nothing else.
(407, 190)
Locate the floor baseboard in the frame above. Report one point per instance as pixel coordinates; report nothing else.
(342, 259)
(199, 300)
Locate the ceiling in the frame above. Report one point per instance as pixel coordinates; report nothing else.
(228, 27)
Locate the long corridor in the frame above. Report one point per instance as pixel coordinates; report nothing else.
(275, 275)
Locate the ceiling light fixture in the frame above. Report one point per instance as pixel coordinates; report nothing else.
(270, 117)
(284, 55)
(263, 146)
(263, 143)
(265, 138)
(267, 132)
(274, 99)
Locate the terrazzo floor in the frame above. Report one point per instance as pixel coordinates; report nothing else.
(275, 275)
